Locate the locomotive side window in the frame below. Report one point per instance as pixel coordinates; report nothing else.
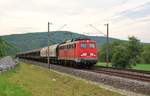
(83, 45)
(92, 45)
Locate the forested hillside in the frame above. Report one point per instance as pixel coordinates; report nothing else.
(37, 40)
(7, 48)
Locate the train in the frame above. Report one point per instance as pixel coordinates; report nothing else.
(78, 52)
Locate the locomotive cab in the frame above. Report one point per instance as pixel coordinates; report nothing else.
(86, 52)
(78, 52)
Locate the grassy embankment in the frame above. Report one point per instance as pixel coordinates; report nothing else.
(31, 80)
(145, 67)
(7, 88)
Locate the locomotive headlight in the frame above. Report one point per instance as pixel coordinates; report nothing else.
(92, 54)
(83, 54)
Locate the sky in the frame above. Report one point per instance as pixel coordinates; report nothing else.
(125, 17)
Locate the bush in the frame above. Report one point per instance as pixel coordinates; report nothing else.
(127, 54)
(102, 51)
(120, 58)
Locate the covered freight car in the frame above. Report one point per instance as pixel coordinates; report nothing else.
(53, 53)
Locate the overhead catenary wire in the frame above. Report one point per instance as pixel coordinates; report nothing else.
(97, 29)
(61, 27)
(107, 40)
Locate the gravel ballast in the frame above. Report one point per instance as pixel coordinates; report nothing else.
(118, 82)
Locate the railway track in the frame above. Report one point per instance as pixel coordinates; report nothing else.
(125, 73)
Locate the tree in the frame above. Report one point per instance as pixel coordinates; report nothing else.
(146, 54)
(102, 50)
(120, 58)
(126, 55)
(102, 55)
(134, 48)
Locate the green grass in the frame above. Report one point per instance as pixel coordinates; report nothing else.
(145, 67)
(40, 81)
(103, 64)
(142, 67)
(11, 89)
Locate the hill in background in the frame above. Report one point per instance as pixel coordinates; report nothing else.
(6, 48)
(30, 41)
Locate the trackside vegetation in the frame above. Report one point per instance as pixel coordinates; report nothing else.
(32, 80)
(126, 54)
(7, 88)
(145, 67)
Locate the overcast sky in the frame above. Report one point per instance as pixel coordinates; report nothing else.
(126, 17)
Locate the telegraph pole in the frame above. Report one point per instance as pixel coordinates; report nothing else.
(107, 46)
(48, 41)
(107, 41)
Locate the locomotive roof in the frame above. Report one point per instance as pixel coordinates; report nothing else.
(34, 50)
(75, 39)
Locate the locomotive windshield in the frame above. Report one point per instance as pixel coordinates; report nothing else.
(92, 45)
(83, 45)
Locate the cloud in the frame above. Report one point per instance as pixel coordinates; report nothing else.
(138, 12)
(20, 16)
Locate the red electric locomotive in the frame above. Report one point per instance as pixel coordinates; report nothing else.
(78, 52)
